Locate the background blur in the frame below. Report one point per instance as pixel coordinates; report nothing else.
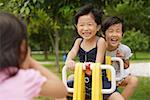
(52, 33)
(51, 22)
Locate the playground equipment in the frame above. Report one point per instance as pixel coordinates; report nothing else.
(121, 63)
(97, 91)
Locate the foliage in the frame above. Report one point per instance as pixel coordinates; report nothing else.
(22, 7)
(136, 40)
(51, 22)
(39, 33)
(135, 12)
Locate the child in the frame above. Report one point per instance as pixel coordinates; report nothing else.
(113, 29)
(89, 47)
(21, 77)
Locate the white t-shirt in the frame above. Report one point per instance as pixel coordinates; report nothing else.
(127, 54)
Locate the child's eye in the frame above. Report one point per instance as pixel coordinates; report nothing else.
(118, 31)
(90, 24)
(81, 25)
(110, 31)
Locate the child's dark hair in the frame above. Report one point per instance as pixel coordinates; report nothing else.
(111, 21)
(12, 33)
(97, 13)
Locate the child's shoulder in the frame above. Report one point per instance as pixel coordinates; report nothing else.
(123, 46)
(100, 40)
(78, 40)
(125, 49)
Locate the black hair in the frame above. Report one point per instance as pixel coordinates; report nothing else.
(111, 21)
(89, 8)
(12, 33)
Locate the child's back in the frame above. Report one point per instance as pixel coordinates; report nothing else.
(25, 85)
(21, 77)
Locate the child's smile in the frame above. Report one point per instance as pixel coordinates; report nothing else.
(86, 34)
(114, 41)
(114, 36)
(86, 26)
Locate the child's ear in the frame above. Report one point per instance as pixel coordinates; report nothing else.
(98, 27)
(26, 62)
(23, 50)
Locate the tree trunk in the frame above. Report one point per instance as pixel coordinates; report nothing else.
(55, 45)
(45, 47)
(57, 49)
(135, 55)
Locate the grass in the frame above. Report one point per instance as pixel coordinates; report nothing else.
(140, 57)
(142, 92)
(40, 57)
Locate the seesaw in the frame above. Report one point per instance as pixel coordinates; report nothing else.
(97, 91)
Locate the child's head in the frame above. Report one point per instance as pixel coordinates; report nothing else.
(88, 21)
(113, 29)
(13, 41)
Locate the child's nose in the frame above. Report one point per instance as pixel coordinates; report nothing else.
(114, 34)
(85, 27)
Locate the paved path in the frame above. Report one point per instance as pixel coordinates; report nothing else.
(138, 69)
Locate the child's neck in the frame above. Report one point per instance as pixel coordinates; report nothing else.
(91, 39)
(111, 48)
(89, 44)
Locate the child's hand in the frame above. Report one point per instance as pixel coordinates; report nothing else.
(70, 64)
(119, 54)
(27, 62)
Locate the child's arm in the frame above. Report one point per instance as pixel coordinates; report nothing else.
(72, 54)
(101, 48)
(53, 87)
(26, 63)
(126, 61)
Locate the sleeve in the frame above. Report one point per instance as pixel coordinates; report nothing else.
(127, 52)
(33, 83)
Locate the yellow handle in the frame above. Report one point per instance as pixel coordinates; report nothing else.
(96, 82)
(108, 62)
(79, 85)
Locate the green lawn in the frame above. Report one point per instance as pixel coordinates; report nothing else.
(142, 92)
(40, 57)
(140, 57)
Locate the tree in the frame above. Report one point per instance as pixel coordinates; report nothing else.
(135, 12)
(136, 41)
(40, 26)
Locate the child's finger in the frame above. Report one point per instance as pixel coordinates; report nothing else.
(71, 65)
(119, 54)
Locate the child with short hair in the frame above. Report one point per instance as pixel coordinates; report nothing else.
(113, 29)
(89, 47)
(22, 77)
